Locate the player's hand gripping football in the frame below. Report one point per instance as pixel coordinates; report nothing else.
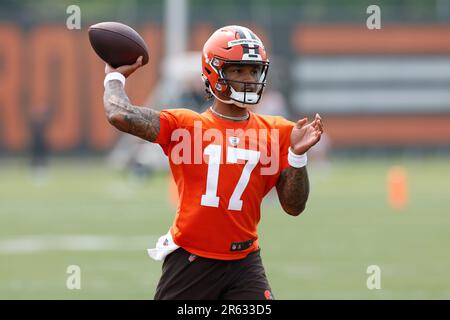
(125, 70)
(304, 135)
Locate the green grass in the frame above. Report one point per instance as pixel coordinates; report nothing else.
(322, 254)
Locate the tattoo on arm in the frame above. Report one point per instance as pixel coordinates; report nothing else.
(139, 121)
(293, 189)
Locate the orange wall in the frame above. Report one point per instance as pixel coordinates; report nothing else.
(50, 66)
(53, 67)
(357, 39)
(409, 131)
(406, 130)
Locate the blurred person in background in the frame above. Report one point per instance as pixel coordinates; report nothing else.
(273, 104)
(39, 149)
(212, 250)
(194, 95)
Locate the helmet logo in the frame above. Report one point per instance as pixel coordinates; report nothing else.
(218, 86)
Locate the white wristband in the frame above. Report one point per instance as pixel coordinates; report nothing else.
(114, 76)
(295, 160)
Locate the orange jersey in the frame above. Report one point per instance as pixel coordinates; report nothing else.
(222, 169)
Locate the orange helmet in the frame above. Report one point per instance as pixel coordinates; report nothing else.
(233, 45)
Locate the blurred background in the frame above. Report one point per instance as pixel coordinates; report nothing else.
(74, 191)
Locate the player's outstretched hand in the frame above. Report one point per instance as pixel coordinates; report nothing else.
(304, 135)
(125, 70)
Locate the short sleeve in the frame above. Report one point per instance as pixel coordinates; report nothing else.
(167, 124)
(169, 120)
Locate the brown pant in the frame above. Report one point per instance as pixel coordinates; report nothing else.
(189, 277)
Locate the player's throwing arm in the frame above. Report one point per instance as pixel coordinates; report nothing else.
(124, 51)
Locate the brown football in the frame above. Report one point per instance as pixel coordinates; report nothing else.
(117, 44)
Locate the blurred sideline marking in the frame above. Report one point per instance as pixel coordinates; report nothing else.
(38, 243)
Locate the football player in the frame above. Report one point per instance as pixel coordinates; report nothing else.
(224, 161)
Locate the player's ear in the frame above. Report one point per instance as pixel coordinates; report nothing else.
(208, 95)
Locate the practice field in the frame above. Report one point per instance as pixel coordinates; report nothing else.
(90, 216)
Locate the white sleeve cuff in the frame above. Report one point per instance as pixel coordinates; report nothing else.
(114, 76)
(295, 160)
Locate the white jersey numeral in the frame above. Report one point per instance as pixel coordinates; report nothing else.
(210, 199)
